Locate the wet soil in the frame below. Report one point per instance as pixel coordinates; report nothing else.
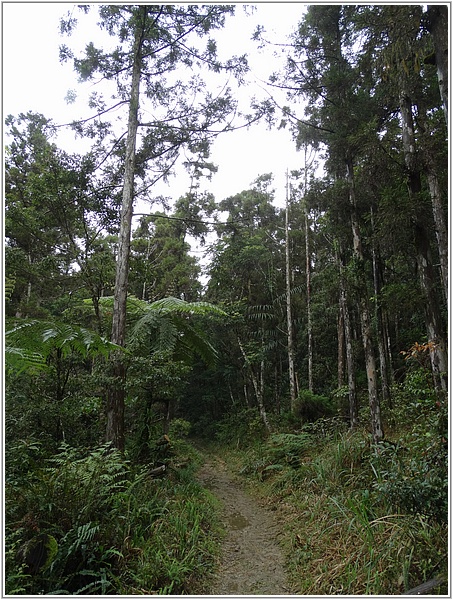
(252, 562)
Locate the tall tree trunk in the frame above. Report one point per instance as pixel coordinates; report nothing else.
(341, 362)
(382, 346)
(439, 223)
(308, 285)
(116, 392)
(438, 27)
(289, 320)
(435, 192)
(433, 319)
(367, 337)
(308, 165)
(344, 311)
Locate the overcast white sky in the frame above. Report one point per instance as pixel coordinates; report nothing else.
(34, 79)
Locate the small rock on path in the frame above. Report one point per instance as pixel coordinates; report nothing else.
(251, 562)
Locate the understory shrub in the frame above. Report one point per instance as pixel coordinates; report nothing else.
(343, 534)
(411, 475)
(310, 406)
(416, 480)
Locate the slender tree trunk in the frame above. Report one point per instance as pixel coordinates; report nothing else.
(365, 320)
(289, 320)
(344, 311)
(277, 389)
(246, 395)
(433, 319)
(116, 392)
(308, 284)
(341, 347)
(308, 164)
(382, 347)
(29, 282)
(439, 222)
(435, 192)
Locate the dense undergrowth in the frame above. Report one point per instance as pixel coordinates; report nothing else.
(90, 522)
(359, 518)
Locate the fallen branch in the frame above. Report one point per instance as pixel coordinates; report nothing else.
(424, 587)
(157, 471)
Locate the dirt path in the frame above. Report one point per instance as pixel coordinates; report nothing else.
(251, 561)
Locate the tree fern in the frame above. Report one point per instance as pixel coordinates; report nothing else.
(30, 342)
(19, 360)
(165, 326)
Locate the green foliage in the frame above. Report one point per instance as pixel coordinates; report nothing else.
(179, 428)
(412, 475)
(288, 448)
(415, 482)
(363, 519)
(109, 528)
(310, 406)
(30, 343)
(342, 533)
(9, 284)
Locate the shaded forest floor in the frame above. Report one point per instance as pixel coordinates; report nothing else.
(251, 560)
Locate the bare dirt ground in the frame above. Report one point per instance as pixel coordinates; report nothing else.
(252, 562)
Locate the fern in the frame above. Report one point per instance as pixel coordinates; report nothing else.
(83, 534)
(19, 360)
(29, 343)
(10, 283)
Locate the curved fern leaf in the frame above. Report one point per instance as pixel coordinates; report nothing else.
(10, 283)
(19, 360)
(30, 342)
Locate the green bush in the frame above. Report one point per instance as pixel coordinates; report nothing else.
(412, 475)
(310, 407)
(288, 447)
(414, 480)
(179, 428)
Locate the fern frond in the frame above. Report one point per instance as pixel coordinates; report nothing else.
(19, 360)
(10, 283)
(193, 341)
(30, 342)
(171, 304)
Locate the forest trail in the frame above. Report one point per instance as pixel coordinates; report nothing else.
(252, 561)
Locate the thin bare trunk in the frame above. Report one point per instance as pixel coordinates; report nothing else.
(438, 27)
(434, 186)
(116, 392)
(308, 165)
(382, 347)
(439, 222)
(289, 320)
(344, 311)
(308, 285)
(341, 349)
(365, 320)
(29, 281)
